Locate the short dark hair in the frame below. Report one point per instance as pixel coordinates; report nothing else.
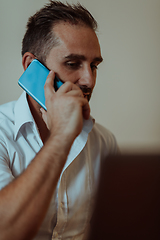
(39, 38)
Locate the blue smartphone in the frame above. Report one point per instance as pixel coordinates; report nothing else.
(33, 81)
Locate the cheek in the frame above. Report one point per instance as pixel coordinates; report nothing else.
(66, 75)
(60, 71)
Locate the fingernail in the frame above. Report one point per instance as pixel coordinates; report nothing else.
(41, 110)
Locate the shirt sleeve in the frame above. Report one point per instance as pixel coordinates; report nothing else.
(6, 175)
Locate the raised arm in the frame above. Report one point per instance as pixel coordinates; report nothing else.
(24, 202)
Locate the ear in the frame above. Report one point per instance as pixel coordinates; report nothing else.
(27, 59)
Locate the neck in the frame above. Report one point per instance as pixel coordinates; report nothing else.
(35, 110)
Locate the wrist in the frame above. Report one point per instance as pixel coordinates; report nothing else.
(58, 147)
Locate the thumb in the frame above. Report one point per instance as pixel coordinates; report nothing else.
(44, 116)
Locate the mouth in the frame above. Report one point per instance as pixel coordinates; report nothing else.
(87, 92)
(87, 95)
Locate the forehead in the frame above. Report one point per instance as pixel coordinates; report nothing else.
(76, 39)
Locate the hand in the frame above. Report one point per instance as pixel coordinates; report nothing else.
(65, 109)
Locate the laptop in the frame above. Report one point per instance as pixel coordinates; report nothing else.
(128, 199)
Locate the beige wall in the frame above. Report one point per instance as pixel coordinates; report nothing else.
(126, 98)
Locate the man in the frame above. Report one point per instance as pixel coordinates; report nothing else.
(50, 160)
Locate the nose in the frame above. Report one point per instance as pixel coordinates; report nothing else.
(87, 77)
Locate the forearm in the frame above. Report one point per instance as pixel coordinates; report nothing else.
(24, 202)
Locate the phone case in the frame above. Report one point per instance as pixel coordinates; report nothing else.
(33, 81)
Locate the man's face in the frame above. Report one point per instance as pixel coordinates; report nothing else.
(76, 57)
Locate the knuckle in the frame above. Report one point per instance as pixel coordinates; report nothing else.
(69, 84)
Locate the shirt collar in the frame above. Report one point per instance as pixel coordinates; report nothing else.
(88, 124)
(22, 113)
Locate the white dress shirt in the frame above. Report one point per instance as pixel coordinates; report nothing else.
(69, 214)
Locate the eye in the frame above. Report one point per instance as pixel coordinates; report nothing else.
(73, 65)
(94, 67)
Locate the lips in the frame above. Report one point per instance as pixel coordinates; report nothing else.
(87, 92)
(87, 95)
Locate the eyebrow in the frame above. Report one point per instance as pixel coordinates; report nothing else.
(82, 57)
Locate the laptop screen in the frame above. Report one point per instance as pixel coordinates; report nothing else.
(128, 199)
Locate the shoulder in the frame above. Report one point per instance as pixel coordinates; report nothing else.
(7, 112)
(7, 120)
(103, 133)
(105, 138)
(6, 141)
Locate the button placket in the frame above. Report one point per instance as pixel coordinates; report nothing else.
(62, 208)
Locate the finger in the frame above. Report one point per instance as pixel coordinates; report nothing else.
(67, 87)
(75, 93)
(44, 116)
(85, 107)
(48, 87)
